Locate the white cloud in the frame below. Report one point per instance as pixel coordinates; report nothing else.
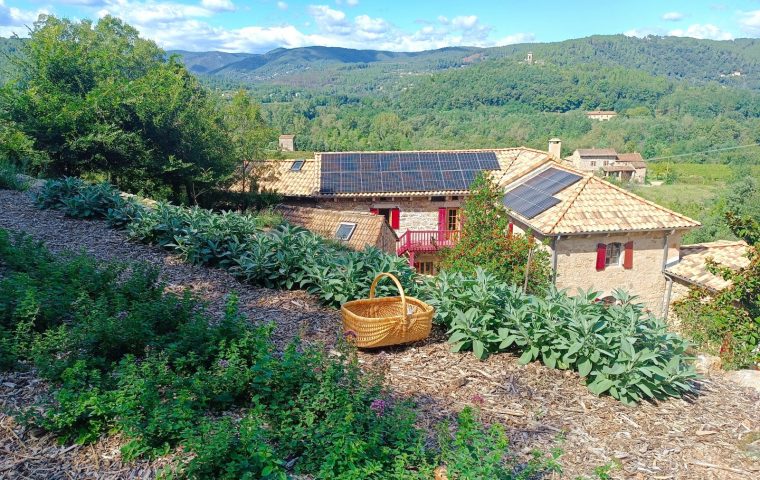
(465, 22)
(698, 30)
(673, 16)
(443, 19)
(750, 22)
(15, 21)
(349, 3)
(218, 5)
(176, 25)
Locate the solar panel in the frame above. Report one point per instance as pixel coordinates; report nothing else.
(528, 201)
(552, 180)
(402, 171)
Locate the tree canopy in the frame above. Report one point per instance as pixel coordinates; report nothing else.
(100, 100)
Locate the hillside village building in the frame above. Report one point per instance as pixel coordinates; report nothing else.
(625, 167)
(600, 236)
(601, 115)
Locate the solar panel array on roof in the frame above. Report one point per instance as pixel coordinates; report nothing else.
(402, 171)
(534, 196)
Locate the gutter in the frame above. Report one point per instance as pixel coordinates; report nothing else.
(555, 241)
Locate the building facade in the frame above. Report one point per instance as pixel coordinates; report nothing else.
(601, 115)
(606, 162)
(600, 237)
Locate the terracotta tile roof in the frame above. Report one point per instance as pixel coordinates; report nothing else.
(280, 178)
(370, 229)
(634, 159)
(597, 152)
(588, 206)
(601, 112)
(513, 163)
(618, 168)
(287, 136)
(692, 268)
(593, 205)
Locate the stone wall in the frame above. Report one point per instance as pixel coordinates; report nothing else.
(414, 213)
(576, 267)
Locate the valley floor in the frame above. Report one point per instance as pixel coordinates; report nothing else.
(700, 438)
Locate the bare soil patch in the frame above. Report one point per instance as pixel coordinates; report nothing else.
(706, 437)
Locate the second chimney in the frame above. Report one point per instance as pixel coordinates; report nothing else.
(555, 148)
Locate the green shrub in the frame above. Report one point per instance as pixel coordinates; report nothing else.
(9, 178)
(485, 242)
(252, 247)
(618, 349)
(474, 451)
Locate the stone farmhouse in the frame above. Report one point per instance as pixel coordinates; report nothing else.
(600, 236)
(625, 167)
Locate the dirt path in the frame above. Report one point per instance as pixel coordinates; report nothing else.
(701, 438)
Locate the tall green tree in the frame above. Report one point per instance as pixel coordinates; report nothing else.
(250, 136)
(485, 241)
(101, 100)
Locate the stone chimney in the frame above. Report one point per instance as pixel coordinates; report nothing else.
(287, 143)
(555, 148)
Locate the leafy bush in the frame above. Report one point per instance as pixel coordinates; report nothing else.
(728, 322)
(79, 199)
(9, 178)
(485, 242)
(256, 248)
(121, 355)
(474, 451)
(618, 349)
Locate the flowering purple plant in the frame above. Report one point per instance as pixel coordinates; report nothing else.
(350, 335)
(477, 399)
(224, 363)
(122, 315)
(378, 406)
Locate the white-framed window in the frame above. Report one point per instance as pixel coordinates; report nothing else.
(614, 256)
(593, 163)
(345, 230)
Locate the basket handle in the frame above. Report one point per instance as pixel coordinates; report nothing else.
(400, 290)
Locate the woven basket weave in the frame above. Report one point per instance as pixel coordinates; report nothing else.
(379, 322)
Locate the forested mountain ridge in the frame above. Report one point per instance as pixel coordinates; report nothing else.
(673, 57)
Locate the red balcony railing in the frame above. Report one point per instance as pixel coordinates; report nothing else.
(426, 240)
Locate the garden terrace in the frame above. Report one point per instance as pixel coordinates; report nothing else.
(702, 437)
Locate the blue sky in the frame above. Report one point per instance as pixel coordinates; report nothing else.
(402, 25)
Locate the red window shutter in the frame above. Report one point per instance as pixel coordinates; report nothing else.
(442, 219)
(374, 211)
(628, 258)
(511, 228)
(395, 218)
(601, 256)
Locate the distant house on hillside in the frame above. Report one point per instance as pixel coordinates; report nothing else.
(599, 236)
(601, 115)
(287, 143)
(625, 167)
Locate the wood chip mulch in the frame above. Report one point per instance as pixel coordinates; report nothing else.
(715, 435)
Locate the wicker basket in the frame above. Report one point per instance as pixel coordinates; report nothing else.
(379, 322)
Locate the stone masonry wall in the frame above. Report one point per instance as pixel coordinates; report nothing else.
(576, 267)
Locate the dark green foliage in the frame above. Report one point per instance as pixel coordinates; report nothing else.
(253, 247)
(619, 349)
(156, 129)
(485, 242)
(728, 322)
(474, 451)
(9, 177)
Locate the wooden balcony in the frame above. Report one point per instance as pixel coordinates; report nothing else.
(414, 241)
